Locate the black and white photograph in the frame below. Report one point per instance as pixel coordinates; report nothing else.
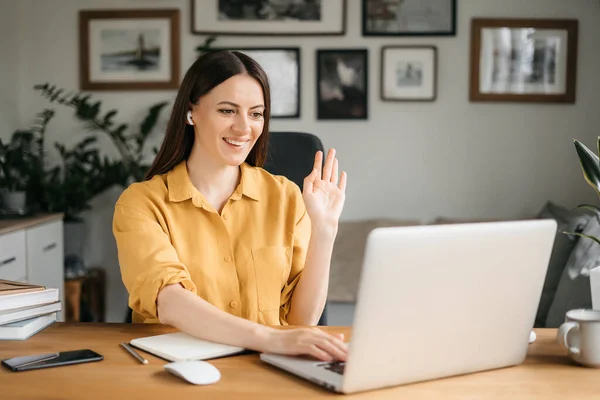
(409, 17)
(522, 60)
(342, 85)
(282, 66)
(408, 73)
(529, 61)
(122, 50)
(269, 17)
(270, 10)
(131, 50)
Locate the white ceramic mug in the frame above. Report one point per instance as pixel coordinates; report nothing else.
(580, 335)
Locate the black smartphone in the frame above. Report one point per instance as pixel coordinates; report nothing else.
(50, 360)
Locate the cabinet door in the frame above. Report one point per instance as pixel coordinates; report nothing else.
(13, 256)
(45, 257)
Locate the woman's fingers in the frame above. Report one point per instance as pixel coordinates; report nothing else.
(316, 343)
(318, 165)
(332, 348)
(318, 353)
(334, 174)
(328, 168)
(342, 184)
(333, 345)
(309, 181)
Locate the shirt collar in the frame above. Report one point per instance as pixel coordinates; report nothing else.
(249, 182)
(181, 187)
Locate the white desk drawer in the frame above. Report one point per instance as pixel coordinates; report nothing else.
(45, 255)
(13, 256)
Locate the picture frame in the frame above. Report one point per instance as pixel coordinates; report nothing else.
(409, 17)
(408, 73)
(232, 18)
(523, 60)
(129, 49)
(342, 84)
(282, 66)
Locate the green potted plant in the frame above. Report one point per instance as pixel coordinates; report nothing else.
(70, 186)
(131, 146)
(590, 165)
(22, 166)
(82, 175)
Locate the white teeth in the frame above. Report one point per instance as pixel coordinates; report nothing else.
(233, 142)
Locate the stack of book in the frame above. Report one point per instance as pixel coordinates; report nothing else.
(26, 309)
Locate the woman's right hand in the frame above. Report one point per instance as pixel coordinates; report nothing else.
(307, 341)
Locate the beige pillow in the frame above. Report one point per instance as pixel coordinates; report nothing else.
(348, 254)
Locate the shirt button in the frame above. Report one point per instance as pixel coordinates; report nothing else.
(224, 216)
(233, 304)
(227, 259)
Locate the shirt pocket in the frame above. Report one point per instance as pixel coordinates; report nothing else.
(272, 266)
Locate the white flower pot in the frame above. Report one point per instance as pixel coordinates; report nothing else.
(14, 201)
(595, 287)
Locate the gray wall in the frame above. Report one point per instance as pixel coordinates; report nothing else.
(9, 117)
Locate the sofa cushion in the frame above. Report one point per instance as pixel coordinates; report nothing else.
(573, 289)
(348, 254)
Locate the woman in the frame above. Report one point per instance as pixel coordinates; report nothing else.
(214, 245)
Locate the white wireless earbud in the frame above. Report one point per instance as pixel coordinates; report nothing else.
(189, 118)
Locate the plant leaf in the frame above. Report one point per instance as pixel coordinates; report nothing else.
(589, 164)
(150, 120)
(589, 207)
(595, 239)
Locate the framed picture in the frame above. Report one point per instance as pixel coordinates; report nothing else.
(408, 73)
(342, 84)
(523, 60)
(409, 17)
(129, 49)
(266, 18)
(282, 66)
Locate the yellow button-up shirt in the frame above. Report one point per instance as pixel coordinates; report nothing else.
(245, 261)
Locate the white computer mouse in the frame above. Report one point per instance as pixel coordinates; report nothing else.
(196, 372)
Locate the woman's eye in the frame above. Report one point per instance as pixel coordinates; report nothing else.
(257, 115)
(225, 111)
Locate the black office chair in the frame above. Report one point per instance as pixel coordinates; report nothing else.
(292, 154)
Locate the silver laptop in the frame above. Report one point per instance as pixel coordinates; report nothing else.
(438, 301)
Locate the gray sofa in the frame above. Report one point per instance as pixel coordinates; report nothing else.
(566, 285)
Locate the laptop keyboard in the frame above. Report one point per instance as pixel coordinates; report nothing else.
(335, 366)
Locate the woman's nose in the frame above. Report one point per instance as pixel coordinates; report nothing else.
(241, 125)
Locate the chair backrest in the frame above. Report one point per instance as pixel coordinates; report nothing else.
(292, 154)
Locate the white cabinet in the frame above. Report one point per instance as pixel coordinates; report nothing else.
(34, 252)
(13, 256)
(45, 256)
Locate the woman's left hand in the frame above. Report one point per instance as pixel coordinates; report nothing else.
(323, 196)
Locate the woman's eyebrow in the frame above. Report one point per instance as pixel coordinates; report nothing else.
(237, 105)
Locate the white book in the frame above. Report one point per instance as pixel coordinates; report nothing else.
(22, 330)
(180, 346)
(19, 314)
(27, 299)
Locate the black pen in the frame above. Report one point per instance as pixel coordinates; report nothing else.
(134, 353)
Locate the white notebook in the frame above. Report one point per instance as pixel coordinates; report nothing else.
(180, 346)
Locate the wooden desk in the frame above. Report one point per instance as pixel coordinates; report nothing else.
(546, 374)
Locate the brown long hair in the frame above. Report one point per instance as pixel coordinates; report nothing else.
(208, 71)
